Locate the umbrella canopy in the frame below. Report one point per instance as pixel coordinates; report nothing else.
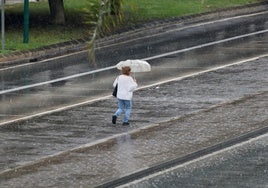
(135, 65)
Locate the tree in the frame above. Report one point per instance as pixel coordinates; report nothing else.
(57, 11)
(102, 16)
(57, 14)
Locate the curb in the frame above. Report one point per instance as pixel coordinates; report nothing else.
(180, 160)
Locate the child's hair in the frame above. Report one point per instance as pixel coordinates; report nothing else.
(126, 70)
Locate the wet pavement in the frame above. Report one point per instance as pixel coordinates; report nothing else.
(80, 146)
(242, 166)
(30, 89)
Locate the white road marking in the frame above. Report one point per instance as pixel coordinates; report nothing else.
(206, 45)
(147, 86)
(55, 80)
(148, 58)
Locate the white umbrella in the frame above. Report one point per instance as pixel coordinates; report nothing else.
(136, 65)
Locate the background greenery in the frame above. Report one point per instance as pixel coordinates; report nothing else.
(42, 33)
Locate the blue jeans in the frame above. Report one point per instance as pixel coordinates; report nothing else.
(124, 105)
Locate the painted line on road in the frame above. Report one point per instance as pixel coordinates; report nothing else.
(207, 44)
(205, 71)
(143, 87)
(55, 80)
(114, 138)
(113, 67)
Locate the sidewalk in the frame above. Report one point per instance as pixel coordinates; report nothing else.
(169, 121)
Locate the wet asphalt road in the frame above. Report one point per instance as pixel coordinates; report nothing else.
(80, 146)
(196, 112)
(182, 49)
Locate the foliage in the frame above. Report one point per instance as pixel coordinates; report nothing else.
(101, 16)
(144, 10)
(42, 32)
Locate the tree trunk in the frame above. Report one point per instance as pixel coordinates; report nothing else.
(57, 11)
